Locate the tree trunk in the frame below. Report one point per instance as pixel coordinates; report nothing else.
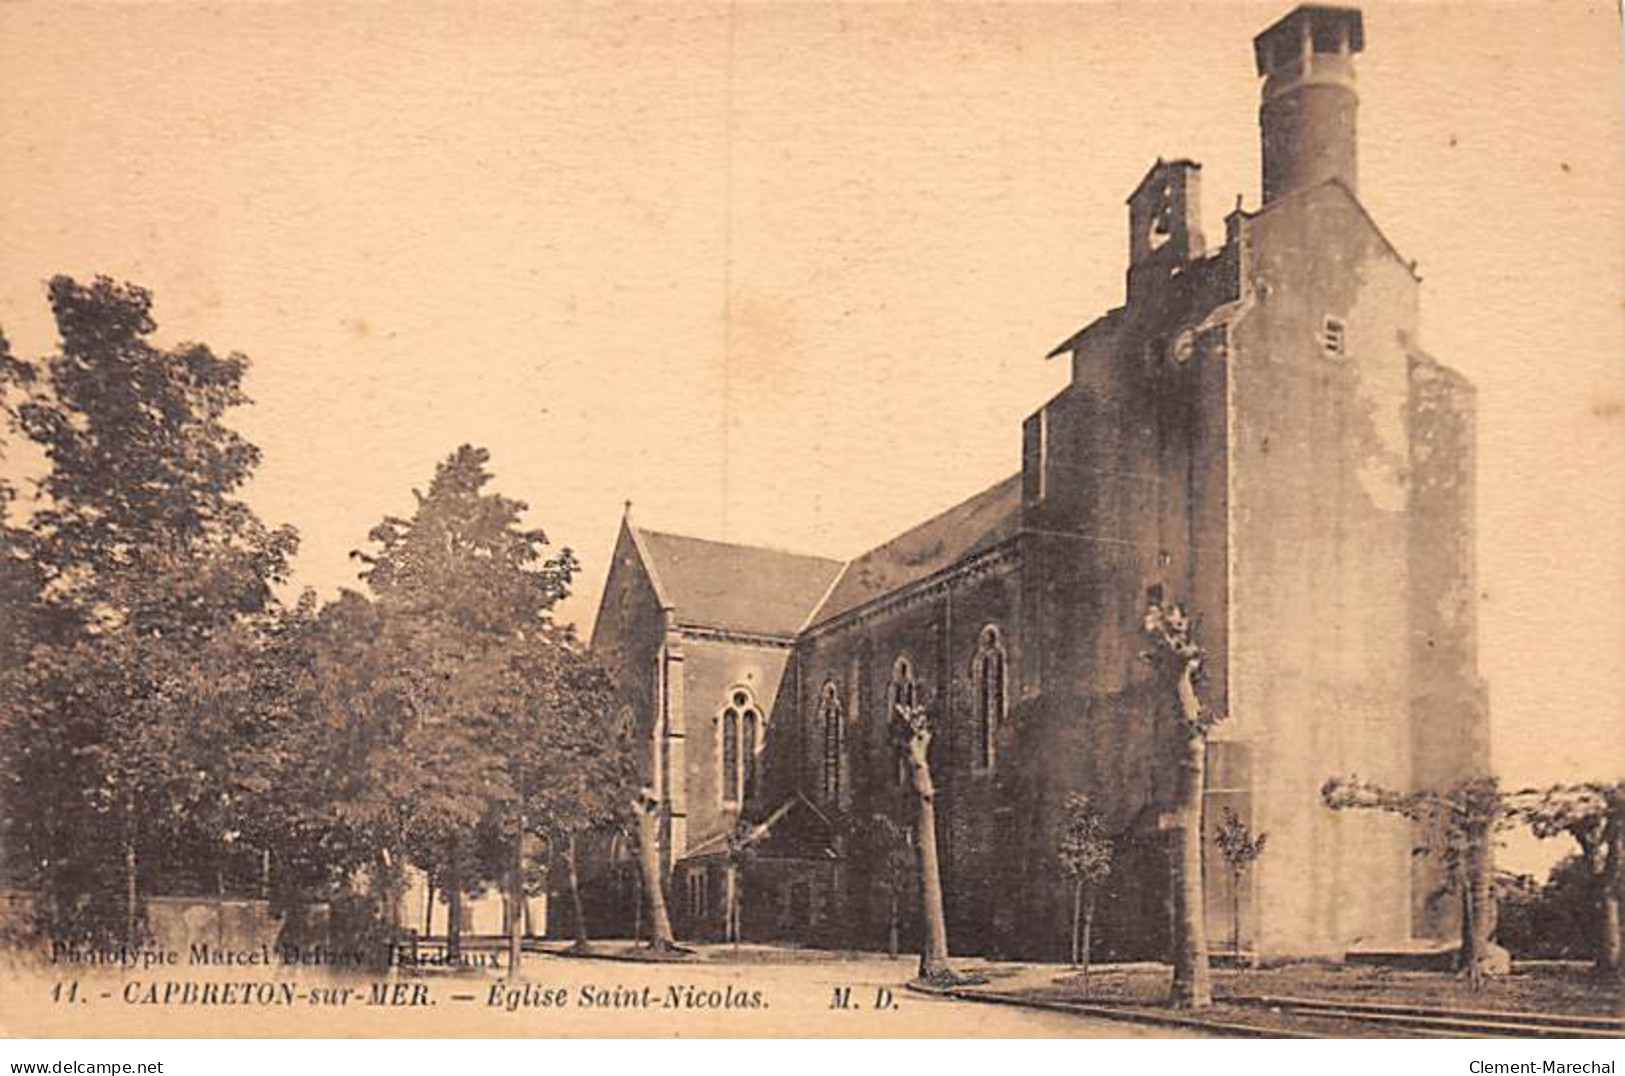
(934, 959)
(130, 866)
(1478, 920)
(1192, 986)
(1077, 920)
(1235, 915)
(265, 874)
(1610, 961)
(893, 923)
(389, 901)
(730, 927)
(1608, 943)
(516, 902)
(428, 907)
(454, 915)
(660, 933)
(1468, 959)
(581, 941)
(1088, 935)
(130, 874)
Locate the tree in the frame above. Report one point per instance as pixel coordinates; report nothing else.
(646, 809)
(1240, 848)
(1457, 824)
(1084, 853)
(898, 872)
(1178, 661)
(741, 843)
(1593, 815)
(1556, 920)
(21, 584)
(146, 560)
(913, 725)
(464, 591)
(569, 765)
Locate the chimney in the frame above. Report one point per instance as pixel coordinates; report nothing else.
(1309, 103)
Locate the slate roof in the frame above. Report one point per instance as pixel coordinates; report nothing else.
(737, 587)
(967, 528)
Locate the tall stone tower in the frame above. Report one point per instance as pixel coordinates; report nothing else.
(1257, 432)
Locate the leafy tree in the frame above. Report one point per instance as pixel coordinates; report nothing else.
(1240, 847)
(380, 780)
(465, 595)
(1457, 824)
(1084, 854)
(1178, 660)
(568, 765)
(20, 580)
(898, 872)
(1593, 815)
(146, 560)
(23, 613)
(1555, 920)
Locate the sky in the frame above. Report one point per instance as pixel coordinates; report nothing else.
(787, 274)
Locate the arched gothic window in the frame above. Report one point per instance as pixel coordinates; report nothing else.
(903, 690)
(988, 672)
(740, 733)
(829, 713)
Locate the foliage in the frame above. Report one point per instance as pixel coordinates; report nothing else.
(477, 713)
(1451, 821)
(1172, 630)
(1458, 826)
(1237, 843)
(1239, 848)
(1593, 815)
(1084, 850)
(1554, 920)
(165, 719)
(1084, 853)
(144, 570)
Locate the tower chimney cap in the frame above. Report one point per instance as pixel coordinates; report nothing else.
(1285, 38)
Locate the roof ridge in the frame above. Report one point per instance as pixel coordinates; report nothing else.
(1353, 196)
(780, 550)
(649, 567)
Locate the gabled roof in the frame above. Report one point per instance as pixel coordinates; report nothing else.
(967, 528)
(735, 587)
(1334, 183)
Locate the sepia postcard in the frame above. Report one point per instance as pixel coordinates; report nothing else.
(824, 520)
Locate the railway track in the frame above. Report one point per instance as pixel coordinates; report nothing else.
(1326, 1019)
(1442, 1023)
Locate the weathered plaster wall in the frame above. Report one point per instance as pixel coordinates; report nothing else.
(1319, 622)
(1449, 712)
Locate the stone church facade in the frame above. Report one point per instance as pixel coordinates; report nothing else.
(1255, 433)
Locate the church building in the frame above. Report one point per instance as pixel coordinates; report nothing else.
(1255, 433)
